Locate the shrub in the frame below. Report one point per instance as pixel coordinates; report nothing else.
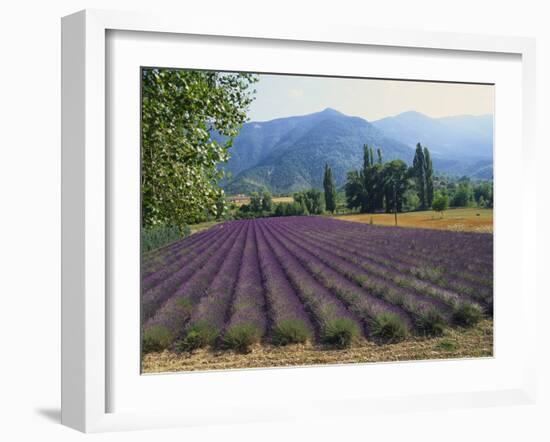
(240, 337)
(155, 338)
(440, 203)
(388, 327)
(430, 322)
(466, 314)
(340, 333)
(197, 336)
(291, 331)
(158, 236)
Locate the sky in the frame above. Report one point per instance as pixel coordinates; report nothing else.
(286, 95)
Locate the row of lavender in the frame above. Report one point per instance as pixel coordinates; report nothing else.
(294, 279)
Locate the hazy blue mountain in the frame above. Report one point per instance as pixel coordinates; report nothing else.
(288, 154)
(462, 136)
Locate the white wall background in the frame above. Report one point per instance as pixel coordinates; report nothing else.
(30, 216)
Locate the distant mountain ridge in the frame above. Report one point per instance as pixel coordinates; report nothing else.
(286, 155)
(461, 135)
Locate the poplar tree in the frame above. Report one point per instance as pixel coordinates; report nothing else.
(419, 171)
(365, 188)
(330, 190)
(368, 179)
(429, 177)
(366, 158)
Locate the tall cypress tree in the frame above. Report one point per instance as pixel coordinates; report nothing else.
(366, 158)
(419, 169)
(367, 179)
(428, 167)
(330, 190)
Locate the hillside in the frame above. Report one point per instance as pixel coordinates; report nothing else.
(460, 145)
(288, 154)
(265, 155)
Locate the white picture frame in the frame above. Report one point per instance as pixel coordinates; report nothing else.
(86, 356)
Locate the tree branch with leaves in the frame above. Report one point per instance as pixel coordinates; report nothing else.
(179, 159)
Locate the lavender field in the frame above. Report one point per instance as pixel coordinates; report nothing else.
(312, 279)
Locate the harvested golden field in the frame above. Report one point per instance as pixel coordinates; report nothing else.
(467, 220)
(241, 201)
(454, 343)
(283, 199)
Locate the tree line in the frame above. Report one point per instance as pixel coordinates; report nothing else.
(377, 186)
(306, 202)
(386, 186)
(394, 187)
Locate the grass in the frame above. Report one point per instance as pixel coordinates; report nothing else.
(468, 220)
(459, 342)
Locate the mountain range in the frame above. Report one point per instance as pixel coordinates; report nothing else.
(286, 155)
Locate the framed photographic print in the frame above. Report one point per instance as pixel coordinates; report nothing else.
(251, 213)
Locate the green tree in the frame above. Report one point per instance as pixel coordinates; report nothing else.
(180, 109)
(255, 202)
(395, 185)
(366, 189)
(267, 201)
(440, 203)
(410, 200)
(280, 209)
(355, 191)
(330, 190)
(463, 196)
(484, 191)
(291, 209)
(373, 186)
(310, 200)
(379, 154)
(428, 168)
(419, 171)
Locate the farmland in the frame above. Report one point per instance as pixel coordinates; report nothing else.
(460, 219)
(241, 200)
(315, 282)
